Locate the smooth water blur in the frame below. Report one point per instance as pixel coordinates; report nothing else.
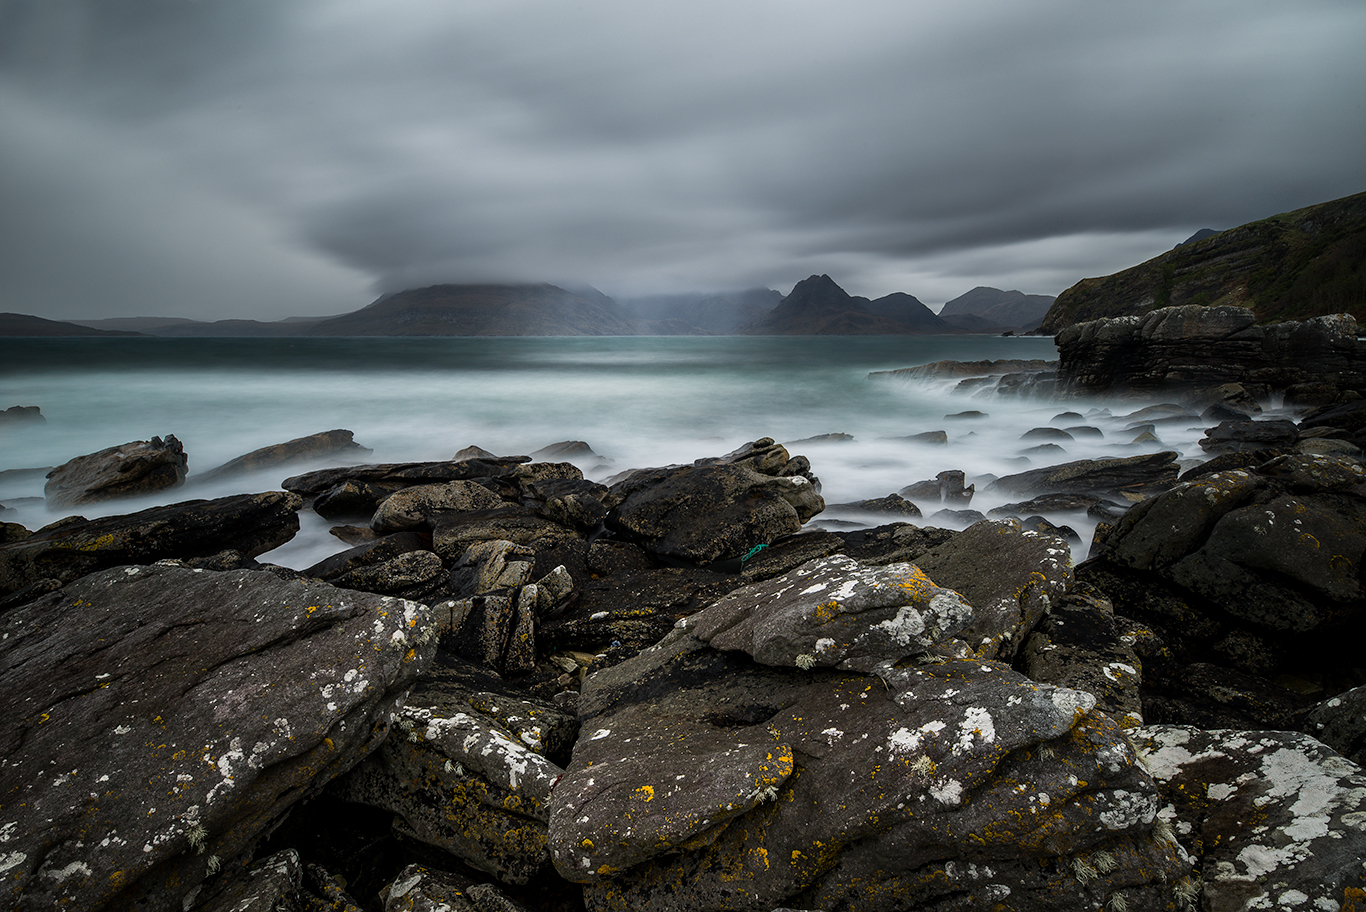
(637, 401)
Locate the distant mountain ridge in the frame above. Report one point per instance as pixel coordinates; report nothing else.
(819, 307)
(1301, 264)
(816, 306)
(1005, 309)
(13, 324)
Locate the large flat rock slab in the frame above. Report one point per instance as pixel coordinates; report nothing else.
(156, 720)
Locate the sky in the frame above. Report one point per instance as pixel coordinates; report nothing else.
(263, 159)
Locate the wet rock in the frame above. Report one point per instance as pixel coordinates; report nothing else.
(697, 770)
(1043, 451)
(958, 517)
(403, 474)
(420, 889)
(315, 447)
(1272, 819)
(1142, 475)
(187, 710)
(250, 524)
(367, 554)
(393, 576)
(22, 414)
(834, 612)
(453, 532)
(1233, 436)
(1008, 575)
(1050, 503)
(1244, 459)
(970, 415)
(891, 505)
(140, 467)
(947, 487)
(822, 438)
(573, 502)
(1046, 433)
(716, 509)
(415, 507)
(351, 500)
(935, 438)
(565, 450)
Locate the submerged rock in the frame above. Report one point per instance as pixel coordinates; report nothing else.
(324, 445)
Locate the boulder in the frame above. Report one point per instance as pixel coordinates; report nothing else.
(22, 414)
(717, 508)
(403, 474)
(1272, 819)
(140, 467)
(1077, 644)
(1340, 722)
(699, 774)
(159, 719)
(314, 447)
(946, 487)
(1140, 475)
(464, 781)
(250, 524)
(891, 505)
(834, 612)
(351, 500)
(415, 507)
(1010, 576)
(1241, 435)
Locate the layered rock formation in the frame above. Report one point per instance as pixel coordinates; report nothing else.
(1191, 347)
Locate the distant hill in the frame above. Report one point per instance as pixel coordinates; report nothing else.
(1198, 236)
(722, 313)
(999, 309)
(12, 324)
(819, 307)
(1292, 266)
(482, 310)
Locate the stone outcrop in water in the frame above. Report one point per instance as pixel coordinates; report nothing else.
(140, 467)
(337, 444)
(1191, 348)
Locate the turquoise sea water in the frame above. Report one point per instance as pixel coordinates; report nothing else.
(636, 401)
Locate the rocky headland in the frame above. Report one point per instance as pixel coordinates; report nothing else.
(521, 689)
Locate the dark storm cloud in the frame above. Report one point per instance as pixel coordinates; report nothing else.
(270, 158)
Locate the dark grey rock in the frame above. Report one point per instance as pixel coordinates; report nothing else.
(716, 509)
(140, 467)
(891, 505)
(1146, 473)
(250, 524)
(696, 769)
(834, 612)
(315, 447)
(415, 507)
(1232, 436)
(1008, 575)
(178, 714)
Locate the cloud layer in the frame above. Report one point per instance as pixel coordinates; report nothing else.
(253, 158)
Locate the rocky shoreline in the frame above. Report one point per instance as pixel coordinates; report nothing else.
(522, 689)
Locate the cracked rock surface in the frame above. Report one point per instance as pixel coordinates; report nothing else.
(158, 719)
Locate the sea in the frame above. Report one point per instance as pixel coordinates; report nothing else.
(636, 401)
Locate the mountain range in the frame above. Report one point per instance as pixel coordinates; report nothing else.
(815, 306)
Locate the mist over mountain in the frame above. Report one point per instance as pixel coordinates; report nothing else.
(722, 313)
(993, 307)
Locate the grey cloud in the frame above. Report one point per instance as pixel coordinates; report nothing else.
(897, 146)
